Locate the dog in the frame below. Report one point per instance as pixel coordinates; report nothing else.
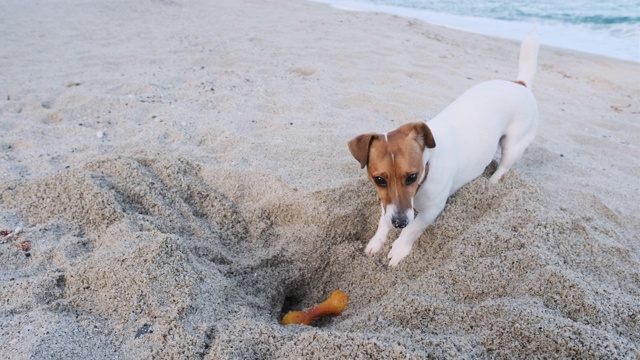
(419, 165)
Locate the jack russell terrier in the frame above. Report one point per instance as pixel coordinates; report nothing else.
(419, 165)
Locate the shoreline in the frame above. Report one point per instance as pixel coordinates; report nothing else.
(583, 41)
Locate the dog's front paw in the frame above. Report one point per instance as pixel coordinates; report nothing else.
(399, 250)
(374, 245)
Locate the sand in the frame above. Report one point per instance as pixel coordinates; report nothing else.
(180, 170)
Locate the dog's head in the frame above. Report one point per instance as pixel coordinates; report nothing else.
(395, 164)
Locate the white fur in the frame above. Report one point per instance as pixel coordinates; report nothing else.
(467, 133)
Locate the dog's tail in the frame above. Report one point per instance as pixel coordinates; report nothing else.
(528, 59)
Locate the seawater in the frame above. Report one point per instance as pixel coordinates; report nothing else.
(609, 28)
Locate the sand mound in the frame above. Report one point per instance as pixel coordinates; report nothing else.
(165, 262)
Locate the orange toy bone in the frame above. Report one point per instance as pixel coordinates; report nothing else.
(334, 305)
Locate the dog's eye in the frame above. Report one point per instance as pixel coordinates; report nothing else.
(411, 179)
(380, 181)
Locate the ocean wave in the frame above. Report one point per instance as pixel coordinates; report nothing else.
(604, 28)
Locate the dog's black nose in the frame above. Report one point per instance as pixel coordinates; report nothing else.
(400, 222)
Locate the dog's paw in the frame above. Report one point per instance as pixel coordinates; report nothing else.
(374, 245)
(486, 185)
(399, 250)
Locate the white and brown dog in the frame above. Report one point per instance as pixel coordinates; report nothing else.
(419, 165)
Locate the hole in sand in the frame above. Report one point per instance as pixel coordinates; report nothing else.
(216, 261)
(291, 303)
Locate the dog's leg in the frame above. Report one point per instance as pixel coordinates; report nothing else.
(511, 152)
(377, 241)
(402, 246)
(497, 175)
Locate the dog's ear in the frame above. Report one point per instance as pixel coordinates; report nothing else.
(359, 147)
(423, 135)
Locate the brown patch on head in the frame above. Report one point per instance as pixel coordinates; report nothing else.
(394, 161)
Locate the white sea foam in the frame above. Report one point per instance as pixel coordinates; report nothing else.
(621, 41)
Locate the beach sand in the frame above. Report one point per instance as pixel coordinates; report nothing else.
(181, 172)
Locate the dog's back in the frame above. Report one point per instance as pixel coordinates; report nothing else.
(491, 114)
(479, 118)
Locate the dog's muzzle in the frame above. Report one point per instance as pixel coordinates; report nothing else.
(400, 221)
